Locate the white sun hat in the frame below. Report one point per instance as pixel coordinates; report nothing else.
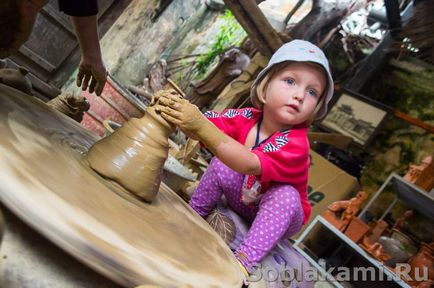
(298, 51)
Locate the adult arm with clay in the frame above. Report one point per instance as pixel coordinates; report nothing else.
(194, 124)
(17, 18)
(92, 73)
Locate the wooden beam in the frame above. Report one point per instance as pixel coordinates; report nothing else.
(414, 121)
(251, 18)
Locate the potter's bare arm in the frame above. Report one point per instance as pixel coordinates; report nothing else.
(92, 73)
(192, 122)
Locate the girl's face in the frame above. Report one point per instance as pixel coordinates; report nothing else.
(293, 93)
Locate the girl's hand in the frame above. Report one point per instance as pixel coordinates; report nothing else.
(194, 124)
(182, 113)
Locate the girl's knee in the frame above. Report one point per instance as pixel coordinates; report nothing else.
(284, 192)
(282, 196)
(222, 171)
(217, 166)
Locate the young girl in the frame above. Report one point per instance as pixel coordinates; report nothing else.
(261, 154)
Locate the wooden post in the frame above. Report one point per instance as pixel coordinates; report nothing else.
(241, 85)
(263, 35)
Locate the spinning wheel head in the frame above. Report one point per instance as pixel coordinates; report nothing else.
(46, 182)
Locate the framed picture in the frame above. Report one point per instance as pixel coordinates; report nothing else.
(357, 116)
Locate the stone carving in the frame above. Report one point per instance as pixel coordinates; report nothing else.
(422, 175)
(231, 65)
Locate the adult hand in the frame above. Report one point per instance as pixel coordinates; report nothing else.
(91, 74)
(91, 71)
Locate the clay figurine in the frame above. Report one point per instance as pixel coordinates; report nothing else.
(347, 208)
(16, 78)
(422, 175)
(356, 229)
(401, 223)
(375, 249)
(70, 105)
(376, 231)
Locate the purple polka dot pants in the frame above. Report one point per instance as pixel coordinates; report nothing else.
(279, 213)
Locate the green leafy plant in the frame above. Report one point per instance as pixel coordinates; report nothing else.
(195, 66)
(230, 34)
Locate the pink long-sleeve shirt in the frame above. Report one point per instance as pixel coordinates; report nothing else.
(284, 156)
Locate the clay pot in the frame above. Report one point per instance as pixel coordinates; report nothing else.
(110, 126)
(399, 246)
(70, 105)
(395, 249)
(134, 154)
(423, 258)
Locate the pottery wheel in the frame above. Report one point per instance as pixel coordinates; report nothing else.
(46, 182)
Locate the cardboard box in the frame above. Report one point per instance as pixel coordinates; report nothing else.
(327, 184)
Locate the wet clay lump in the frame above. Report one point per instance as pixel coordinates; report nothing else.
(134, 154)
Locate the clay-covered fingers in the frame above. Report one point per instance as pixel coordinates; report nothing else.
(168, 111)
(170, 118)
(172, 101)
(163, 96)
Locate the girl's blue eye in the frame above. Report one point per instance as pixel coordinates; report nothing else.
(290, 81)
(312, 92)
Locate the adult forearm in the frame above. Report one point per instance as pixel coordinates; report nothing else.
(86, 30)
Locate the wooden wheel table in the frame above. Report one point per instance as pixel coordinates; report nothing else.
(46, 182)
